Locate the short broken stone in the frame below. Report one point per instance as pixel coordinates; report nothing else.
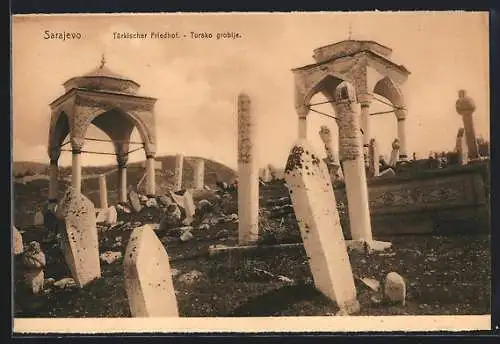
(110, 257)
(186, 236)
(395, 288)
(190, 277)
(65, 283)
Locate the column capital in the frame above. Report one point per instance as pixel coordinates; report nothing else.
(150, 156)
(365, 99)
(122, 160)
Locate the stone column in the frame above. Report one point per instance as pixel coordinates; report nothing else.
(53, 176)
(248, 175)
(122, 178)
(351, 155)
(465, 107)
(373, 154)
(302, 127)
(365, 100)
(179, 165)
(199, 173)
(103, 191)
(395, 153)
(332, 157)
(461, 147)
(402, 139)
(150, 176)
(76, 171)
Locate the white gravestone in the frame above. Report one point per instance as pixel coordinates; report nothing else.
(248, 174)
(318, 218)
(394, 153)
(79, 241)
(148, 277)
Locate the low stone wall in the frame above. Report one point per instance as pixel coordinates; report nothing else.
(440, 201)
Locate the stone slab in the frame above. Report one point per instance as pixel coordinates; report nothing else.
(79, 240)
(148, 276)
(315, 208)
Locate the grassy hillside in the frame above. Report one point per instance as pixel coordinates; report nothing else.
(31, 196)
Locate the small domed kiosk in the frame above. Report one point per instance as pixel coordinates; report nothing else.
(368, 66)
(110, 102)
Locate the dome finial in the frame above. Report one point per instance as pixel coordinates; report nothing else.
(103, 61)
(350, 30)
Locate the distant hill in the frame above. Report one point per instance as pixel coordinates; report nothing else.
(32, 195)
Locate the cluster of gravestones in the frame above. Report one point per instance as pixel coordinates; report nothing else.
(147, 271)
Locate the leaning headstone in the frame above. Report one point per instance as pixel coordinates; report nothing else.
(148, 277)
(38, 219)
(79, 241)
(395, 288)
(17, 241)
(134, 201)
(319, 223)
(185, 201)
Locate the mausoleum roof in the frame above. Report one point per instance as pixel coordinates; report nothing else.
(103, 79)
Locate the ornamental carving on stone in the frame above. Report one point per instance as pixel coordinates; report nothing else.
(245, 127)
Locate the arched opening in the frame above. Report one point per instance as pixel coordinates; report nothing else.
(387, 94)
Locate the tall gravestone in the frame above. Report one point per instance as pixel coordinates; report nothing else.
(79, 241)
(314, 205)
(248, 175)
(461, 147)
(394, 153)
(465, 107)
(179, 166)
(148, 277)
(331, 154)
(373, 156)
(199, 173)
(103, 192)
(353, 161)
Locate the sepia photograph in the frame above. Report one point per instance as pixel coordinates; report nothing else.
(195, 172)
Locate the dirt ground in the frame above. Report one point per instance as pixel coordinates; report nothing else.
(443, 275)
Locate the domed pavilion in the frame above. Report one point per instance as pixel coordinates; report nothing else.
(111, 103)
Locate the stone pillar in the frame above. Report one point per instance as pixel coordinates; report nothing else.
(351, 155)
(303, 127)
(122, 178)
(374, 168)
(332, 157)
(365, 100)
(76, 171)
(248, 175)
(199, 173)
(150, 176)
(402, 139)
(53, 176)
(179, 165)
(465, 107)
(461, 147)
(103, 191)
(395, 152)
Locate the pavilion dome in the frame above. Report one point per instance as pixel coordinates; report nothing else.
(103, 79)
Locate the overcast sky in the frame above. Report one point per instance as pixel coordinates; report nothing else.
(197, 81)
